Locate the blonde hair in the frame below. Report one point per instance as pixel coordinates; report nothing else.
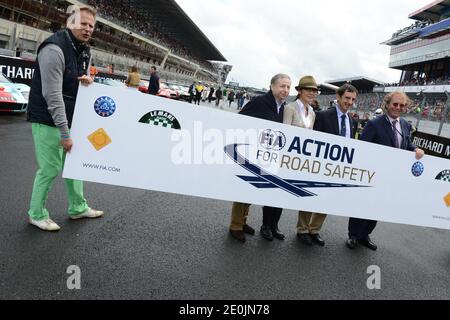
(388, 98)
(89, 9)
(75, 10)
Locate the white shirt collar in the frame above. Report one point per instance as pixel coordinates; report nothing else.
(339, 112)
(279, 104)
(392, 119)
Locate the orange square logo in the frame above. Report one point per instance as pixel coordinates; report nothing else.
(447, 200)
(99, 139)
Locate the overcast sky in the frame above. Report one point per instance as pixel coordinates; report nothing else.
(325, 38)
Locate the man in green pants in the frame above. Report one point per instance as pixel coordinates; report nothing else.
(62, 62)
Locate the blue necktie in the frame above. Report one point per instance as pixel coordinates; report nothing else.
(343, 126)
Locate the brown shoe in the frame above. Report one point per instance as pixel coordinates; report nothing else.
(238, 235)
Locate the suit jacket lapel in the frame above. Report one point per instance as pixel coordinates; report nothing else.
(350, 121)
(405, 133)
(390, 132)
(334, 122)
(273, 105)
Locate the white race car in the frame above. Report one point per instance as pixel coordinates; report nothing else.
(13, 96)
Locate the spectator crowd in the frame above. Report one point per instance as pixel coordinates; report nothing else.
(122, 14)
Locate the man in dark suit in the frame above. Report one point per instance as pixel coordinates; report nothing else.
(388, 130)
(268, 107)
(337, 121)
(153, 84)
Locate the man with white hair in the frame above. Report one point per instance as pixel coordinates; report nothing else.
(268, 107)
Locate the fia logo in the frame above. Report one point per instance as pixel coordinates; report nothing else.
(272, 140)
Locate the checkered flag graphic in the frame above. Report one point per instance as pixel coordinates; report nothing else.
(162, 122)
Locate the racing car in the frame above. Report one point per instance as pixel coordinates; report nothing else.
(13, 96)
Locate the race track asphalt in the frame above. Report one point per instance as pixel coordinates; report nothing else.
(158, 246)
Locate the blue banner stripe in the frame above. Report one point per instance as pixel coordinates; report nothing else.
(231, 151)
(265, 180)
(299, 183)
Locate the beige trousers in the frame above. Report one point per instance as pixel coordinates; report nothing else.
(309, 222)
(239, 213)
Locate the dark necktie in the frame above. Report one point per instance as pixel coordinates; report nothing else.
(394, 129)
(280, 113)
(343, 126)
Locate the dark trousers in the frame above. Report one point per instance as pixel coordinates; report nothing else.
(360, 228)
(271, 216)
(198, 97)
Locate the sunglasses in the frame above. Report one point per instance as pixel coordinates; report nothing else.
(396, 104)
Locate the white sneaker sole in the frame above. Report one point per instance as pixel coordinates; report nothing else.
(85, 216)
(56, 228)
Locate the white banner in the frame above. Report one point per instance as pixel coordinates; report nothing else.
(126, 138)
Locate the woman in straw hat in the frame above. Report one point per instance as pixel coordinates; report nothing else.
(300, 114)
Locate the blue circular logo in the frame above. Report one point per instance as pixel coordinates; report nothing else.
(417, 169)
(105, 107)
(272, 140)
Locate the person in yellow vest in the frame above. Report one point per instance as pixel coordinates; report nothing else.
(134, 78)
(198, 92)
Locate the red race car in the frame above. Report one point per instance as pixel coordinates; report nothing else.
(164, 90)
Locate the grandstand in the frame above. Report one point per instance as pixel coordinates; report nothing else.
(422, 52)
(128, 33)
(366, 102)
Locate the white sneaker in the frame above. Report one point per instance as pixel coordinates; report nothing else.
(89, 213)
(46, 224)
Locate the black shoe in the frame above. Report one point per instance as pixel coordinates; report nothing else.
(238, 235)
(266, 232)
(317, 239)
(351, 243)
(306, 238)
(249, 230)
(277, 234)
(368, 243)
